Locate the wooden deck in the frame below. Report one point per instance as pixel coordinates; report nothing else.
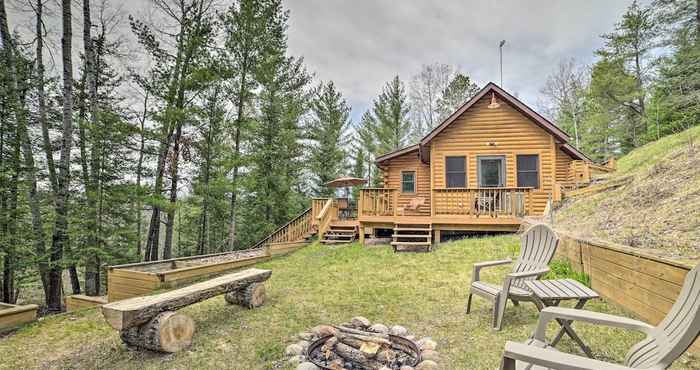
(447, 222)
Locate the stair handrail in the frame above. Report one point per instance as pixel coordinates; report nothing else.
(261, 243)
(325, 217)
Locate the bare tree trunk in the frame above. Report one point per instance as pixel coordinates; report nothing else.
(60, 234)
(34, 206)
(153, 238)
(41, 96)
(170, 223)
(240, 104)
(91, 178)
(139, 170)
(9, 228)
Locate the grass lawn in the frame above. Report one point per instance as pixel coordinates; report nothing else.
(321, 285)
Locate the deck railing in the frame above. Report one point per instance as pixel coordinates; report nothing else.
(326, 215)
(377, 202)
(316, 207)
(494, 202)
(296, 229)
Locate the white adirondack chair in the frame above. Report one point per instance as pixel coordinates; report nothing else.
(537, 247)
(663, 345)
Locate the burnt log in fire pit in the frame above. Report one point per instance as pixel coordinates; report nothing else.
(354, 349)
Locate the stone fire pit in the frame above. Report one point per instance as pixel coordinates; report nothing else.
(361, 345)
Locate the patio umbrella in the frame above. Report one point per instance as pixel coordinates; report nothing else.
(346, 182)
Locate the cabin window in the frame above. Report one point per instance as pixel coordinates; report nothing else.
(456, 171)
(408, 181)
(529, 171)
(491, 171)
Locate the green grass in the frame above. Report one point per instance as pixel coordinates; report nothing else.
(561, 269)
(320, 285)
(651, 154)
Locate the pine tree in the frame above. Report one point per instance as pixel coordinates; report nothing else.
(328, 134)
(366, 142)
(390, 112)
(460, 89)
(630, 45)
(246, 32)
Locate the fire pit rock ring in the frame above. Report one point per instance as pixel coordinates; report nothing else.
(361, 345)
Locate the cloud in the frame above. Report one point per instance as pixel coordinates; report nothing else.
(362, 44)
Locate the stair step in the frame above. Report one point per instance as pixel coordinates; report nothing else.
(326, 241)
(411, 229)
(411, 236)
(341, 231)
(339, 236)
(410, 243)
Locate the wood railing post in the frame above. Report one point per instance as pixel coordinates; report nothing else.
(360, 203)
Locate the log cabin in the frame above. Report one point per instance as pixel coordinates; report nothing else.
(485, 167)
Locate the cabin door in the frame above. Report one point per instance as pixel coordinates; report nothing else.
(491, 171)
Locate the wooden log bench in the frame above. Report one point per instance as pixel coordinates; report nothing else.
(151, 322)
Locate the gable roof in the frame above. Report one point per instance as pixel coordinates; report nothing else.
(396, 153)
(574, 153)
(510, 99)
(491, 87)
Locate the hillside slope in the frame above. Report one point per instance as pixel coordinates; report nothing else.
(658, 211)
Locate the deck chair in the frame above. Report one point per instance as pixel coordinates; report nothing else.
(537, 247)
(412, 206)
(663, 344)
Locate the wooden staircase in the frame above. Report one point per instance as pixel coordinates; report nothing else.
(412, 237)
(339, 234)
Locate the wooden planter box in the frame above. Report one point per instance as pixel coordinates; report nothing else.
(80, 301)
(137, 279)
(278, 249)
(12, 315)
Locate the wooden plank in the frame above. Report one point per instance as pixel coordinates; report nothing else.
(136, 311)
(631, 304)
(632, 276)
(12, 316)
(80, 301)
(658, 270)
(627, 289)
(134, 274)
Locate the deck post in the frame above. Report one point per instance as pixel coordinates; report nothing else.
(360, 202)
(362, 233)
(437, 235)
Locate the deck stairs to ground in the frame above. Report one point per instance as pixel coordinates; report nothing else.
(339, 233)
(412, 237)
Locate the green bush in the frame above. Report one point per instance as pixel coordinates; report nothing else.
(561, 269)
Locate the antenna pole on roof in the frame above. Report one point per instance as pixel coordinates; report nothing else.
(500, 50)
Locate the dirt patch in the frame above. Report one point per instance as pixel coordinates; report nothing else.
(658, 210)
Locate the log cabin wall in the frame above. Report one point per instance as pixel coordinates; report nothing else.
(392, 179)
(482, 131)
(563, 168)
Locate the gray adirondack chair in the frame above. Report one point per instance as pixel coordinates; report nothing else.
(663, 345)
(537, 247)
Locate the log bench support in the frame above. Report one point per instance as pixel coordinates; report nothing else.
(152, 322)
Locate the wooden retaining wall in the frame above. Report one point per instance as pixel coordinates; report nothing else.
(640, 283)
(12, 316)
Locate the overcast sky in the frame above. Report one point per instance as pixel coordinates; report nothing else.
(361, 44)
